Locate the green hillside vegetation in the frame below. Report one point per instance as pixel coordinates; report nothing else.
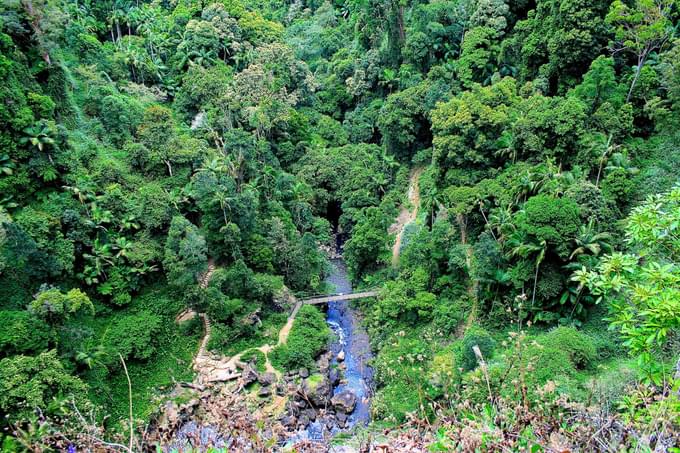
(538, 284)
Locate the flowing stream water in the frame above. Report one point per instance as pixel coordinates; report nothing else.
(353, 340)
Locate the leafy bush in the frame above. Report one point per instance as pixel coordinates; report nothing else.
(403, 368)
(307, 339)
(448, 314)
(132, 336)
(576, 344)
(191, 327)
(546, 363)
(255, 357)
(22, 332)
(27, 383)
(475, 337)
(395, 400)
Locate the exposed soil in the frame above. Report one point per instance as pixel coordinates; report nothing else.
(407, 214)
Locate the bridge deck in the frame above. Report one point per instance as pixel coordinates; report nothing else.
(337, 297)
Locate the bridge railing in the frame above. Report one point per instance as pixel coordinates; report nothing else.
(305, 297)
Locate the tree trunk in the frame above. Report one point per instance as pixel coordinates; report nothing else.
(604, 154)
(167, 162)
(533, 293)
(641, 62)
(462, 225)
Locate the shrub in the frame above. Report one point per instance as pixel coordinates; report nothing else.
(448, 314)
(395, 401)
(255, 357)
(22, 332)
(475, 337)
(546, 363)
(191, 327)
(132, 336)
(576, 344)
(307, 339)
(402, 368)
(27, 383)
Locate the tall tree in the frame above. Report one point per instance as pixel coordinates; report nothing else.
(643, 27)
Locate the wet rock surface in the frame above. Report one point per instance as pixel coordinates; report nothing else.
(344, 401)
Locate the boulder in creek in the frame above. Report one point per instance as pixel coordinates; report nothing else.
(221, 375)
(267, 378)
(289, 421)
(341, 355)
(317, 389)
(264, 392)
(334, 377)
(304, 372)
(310, 414)
(249, 375)
(344, 401)
(303, 421)
(324, 363)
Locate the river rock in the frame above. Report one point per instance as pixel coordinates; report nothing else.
(303, 420)
(289, 421)
(310, 414)
(341, 355)
(344, 401)
(170, 416)
(324, 363)
(333, 377)
(284, 299)
(267, 378)
(304, 372)
(317, 389)
(341, 417)
(264, 392)
(249, 375)
(220, 375)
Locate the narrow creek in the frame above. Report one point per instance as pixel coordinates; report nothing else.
(352, 342)
(350, 369)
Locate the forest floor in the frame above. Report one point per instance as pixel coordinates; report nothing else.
(408, 213)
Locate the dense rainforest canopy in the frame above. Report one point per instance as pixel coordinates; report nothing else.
(506, 173)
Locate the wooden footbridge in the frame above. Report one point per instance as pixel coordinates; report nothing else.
(321, 299)
(324, 299)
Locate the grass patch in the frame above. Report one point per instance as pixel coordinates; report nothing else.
(256, 357)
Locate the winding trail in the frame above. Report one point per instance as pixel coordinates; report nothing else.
(204, 282)
(210, 369)
(218, 369)
(406, 215)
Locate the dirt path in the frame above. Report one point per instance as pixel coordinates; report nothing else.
(267, 348)
(283, 333)
(203, 283)
(209, 369)
(406, 215)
